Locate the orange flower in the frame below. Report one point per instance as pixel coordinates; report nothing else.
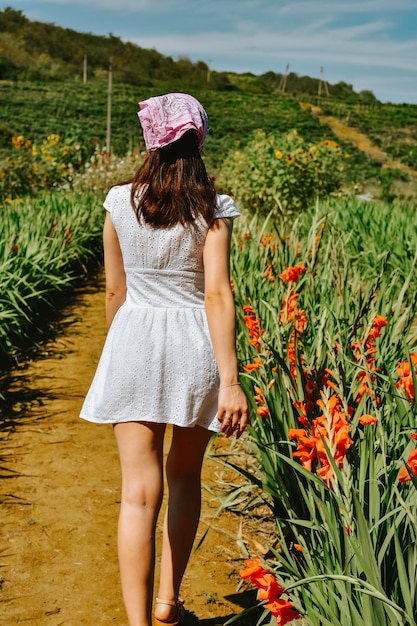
(253, 324)
(366, 347)
(269, 589)
(296, 433)
(407, 383)
(289, 306)
(311, 449)
(301, 407)
(267, 239)
(254, 568)
(262, 578)
(263, 411)
(404, 475)
(365, 420)
(404, 368)
(245, 237)
(298, 547)
(283, 610)
(269, 273)
(292, 273)
(404, 371)
(249, 367)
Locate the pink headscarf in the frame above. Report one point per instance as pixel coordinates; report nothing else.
(166, 118)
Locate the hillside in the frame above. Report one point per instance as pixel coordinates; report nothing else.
(37, 51)
(42, 92)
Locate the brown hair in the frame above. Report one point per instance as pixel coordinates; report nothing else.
(172, 185)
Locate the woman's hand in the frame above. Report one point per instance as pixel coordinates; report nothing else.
(233, 410)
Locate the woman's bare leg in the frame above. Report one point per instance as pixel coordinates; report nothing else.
(183, 470)
(141, 458)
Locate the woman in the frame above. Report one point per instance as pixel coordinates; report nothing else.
(170, 356)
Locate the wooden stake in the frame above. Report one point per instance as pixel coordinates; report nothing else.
(283, 82)
(109, 98)
(323, 83)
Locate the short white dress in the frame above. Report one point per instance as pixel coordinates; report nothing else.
(158, 363)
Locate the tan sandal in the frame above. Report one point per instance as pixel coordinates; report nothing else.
(179, 614)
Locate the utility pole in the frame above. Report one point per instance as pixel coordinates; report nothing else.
(208, 70)
(323, 83)
(109, 97)
(283, 82)
(85, 68)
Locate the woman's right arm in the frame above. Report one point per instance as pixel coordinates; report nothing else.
(114, 270)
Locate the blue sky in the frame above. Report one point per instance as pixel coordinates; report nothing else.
(371, 44)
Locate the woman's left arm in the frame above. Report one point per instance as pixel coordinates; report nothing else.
(114, 270)
(220, 309)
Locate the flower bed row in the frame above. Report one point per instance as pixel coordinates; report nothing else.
(46, 245)
(328, 347)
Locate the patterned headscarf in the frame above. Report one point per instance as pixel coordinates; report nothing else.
(165, 119)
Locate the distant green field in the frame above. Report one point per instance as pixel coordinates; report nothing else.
(79, 112)
(393, 127)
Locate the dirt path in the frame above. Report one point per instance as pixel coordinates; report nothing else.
(359, 140)
(59, 498)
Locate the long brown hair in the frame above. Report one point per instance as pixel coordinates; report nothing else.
(172, 185)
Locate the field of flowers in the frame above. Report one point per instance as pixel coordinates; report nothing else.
(327, 339)
(326, 295)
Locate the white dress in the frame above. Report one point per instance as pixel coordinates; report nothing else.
(158, 363)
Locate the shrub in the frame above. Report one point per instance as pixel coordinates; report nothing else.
(282, 173)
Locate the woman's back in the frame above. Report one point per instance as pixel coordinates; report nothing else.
(164, 266)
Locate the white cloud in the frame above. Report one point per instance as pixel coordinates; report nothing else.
(304, 7)
(351, 45)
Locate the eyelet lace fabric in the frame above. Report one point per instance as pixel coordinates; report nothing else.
(158, 363)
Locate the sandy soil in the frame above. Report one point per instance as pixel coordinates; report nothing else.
(59, 498)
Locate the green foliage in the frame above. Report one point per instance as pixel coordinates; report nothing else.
(78, 114)
(391, 127)
(38, 51)
(46, 246)
(328, 358)
(31, 168)
(282, 173)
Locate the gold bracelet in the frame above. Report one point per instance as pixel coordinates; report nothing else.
(232, 385)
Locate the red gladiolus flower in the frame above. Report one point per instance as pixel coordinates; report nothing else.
(366, 420)
(404, 371)
(253, 324)
(249, 367)
(269, 589)
(366, 347)
(261, 577)
(404, 475)
(269, 273)
(263, 411)
(254, 567)
(283, 610)
(293, 273)
(311, 449)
